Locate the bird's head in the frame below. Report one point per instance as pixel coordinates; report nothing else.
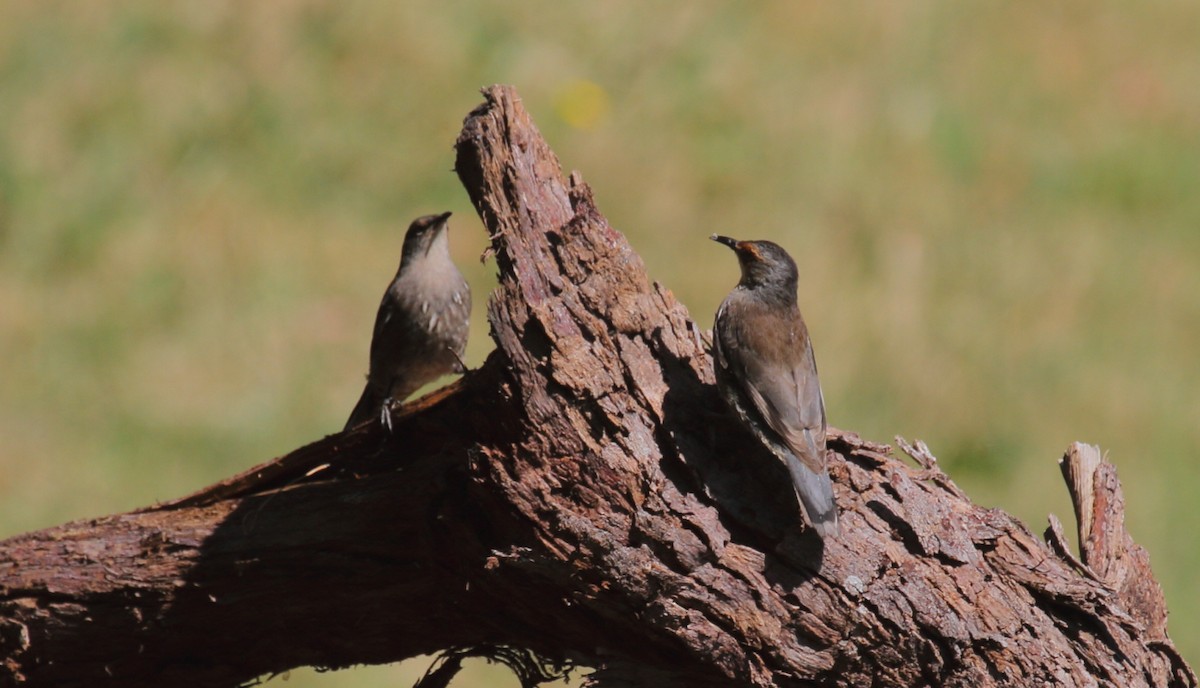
(764, 263)
(425, 235)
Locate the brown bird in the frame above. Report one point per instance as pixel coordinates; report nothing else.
(767, 374)
(421, 327)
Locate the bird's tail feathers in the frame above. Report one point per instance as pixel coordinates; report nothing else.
(816, 497)
(367, 407)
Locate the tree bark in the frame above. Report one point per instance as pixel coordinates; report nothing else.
(584, 495)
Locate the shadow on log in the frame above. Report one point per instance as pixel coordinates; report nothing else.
(583, 495)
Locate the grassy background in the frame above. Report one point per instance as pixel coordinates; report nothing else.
(994, 208)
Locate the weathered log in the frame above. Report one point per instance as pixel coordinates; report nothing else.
(586, 496)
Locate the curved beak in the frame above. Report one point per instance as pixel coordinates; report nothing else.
(731, 243)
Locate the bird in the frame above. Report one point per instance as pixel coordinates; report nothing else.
(422, 324)
(767, 374)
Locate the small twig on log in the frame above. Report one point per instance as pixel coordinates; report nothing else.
(1057, 540)
(932, 470)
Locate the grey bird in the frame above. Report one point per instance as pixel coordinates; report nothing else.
(767, 374)
(421, 327)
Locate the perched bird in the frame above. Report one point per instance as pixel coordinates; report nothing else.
(421, 328)
(767, 374)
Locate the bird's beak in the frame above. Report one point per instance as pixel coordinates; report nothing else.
(441, 223)
(731, 243)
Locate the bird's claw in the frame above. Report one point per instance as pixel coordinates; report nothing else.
(462, 365)
(385, 413)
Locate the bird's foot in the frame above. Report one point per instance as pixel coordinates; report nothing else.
(385, 413)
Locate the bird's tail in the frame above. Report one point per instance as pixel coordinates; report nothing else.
(367, 407)
(816, 497)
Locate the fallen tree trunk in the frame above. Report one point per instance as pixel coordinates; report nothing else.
(586, 496)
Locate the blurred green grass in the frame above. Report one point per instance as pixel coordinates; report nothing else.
(993, 208)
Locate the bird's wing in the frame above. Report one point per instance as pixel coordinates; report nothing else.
(383, 321)
(789, 400)
(719, 356)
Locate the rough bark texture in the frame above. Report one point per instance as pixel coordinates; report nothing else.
(585, 495)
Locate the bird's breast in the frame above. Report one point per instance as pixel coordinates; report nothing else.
(769, 331)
